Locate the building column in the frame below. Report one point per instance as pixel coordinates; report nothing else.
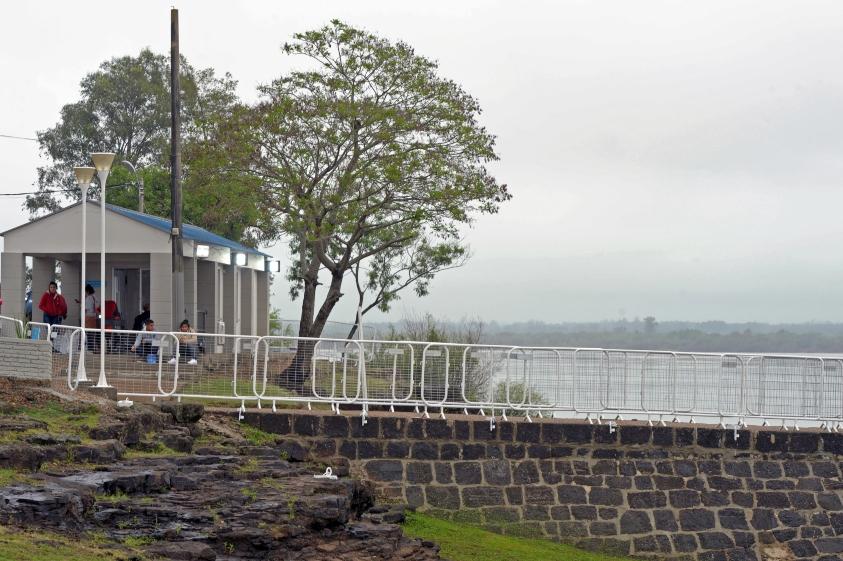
(71, 272)
(248, 302)
(43, 272)
(231, 303)
(206, 296)
(262, 294)
(190, 296)
(161, 291)
(13, 284)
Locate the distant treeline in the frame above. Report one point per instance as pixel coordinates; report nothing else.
(648, 333)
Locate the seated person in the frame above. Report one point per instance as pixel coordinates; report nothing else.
(188, 343)
(147, 343)
(140, 319)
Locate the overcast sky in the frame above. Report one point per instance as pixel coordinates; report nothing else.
(668, 159)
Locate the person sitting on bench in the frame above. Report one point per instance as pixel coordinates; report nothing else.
(146, 341)
(188, 342)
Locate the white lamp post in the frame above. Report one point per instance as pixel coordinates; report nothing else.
(102, 161)
(84, 175)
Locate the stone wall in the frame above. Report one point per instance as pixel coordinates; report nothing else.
(25, 359)
(676, 491)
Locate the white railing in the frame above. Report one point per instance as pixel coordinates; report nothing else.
(600, 385)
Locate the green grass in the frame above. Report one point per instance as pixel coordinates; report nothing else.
(59, 420)
(256, 436)
(223, 387)
(46, 546)
(10, 476)
(462, 542)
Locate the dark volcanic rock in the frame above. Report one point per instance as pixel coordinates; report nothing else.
(48, 505)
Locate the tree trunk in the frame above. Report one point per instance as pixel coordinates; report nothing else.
(295, 375)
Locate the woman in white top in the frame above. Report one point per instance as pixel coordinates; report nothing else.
(90, 307)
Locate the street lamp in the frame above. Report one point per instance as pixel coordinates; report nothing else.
(139, 179)
(84, 175)
(102, 161)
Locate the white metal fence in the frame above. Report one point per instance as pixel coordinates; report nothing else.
(492, 380)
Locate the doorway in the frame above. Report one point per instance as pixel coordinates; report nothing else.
(131, 291)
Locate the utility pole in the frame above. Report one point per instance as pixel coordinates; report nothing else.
(175, 173)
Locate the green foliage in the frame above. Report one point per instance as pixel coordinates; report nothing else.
(124, 107)
(256, 436)
(65, 418)
(462, 542)
(517, 391)
(49, 546)
(367, 161)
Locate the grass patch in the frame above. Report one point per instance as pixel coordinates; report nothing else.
(61, 421)
(138, 541)
(10, 476)
(256, 436)
(159, 450)
(461, 542)
(47, 546)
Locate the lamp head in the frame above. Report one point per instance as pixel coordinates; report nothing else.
(102, 160)
(84, 175)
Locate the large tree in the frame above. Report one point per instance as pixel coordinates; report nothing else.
(124, 107)
(361, 157)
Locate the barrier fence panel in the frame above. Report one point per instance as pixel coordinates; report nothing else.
(11, 327)
(495, 379)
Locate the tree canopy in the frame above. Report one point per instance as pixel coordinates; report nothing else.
(368, 162)
(124, 107)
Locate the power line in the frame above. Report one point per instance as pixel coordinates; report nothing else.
(13, 137)
(25, 193)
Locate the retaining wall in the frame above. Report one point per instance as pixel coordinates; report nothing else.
(26, 359)
(674, 492)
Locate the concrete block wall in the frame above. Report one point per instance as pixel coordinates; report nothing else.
(161, 291)
(26, 359)
(678, 492)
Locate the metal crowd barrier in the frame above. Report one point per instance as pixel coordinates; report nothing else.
(600, 385)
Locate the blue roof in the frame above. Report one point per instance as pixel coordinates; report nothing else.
(189, 231)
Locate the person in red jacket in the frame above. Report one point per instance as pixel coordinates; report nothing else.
(53, 305)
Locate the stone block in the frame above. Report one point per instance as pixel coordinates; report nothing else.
(482, 430)
(632, 435)
(572, 529)
(515, 495)
(829, 501)
(528, 433)
(743, 499)
(665, 520)
(497, 472)
(635, 522)
(715, 540)
(829, 545)
(602, 528)
(538, 495)
(715, 498)
(617, 482)
(415, 429)
(696, 519)
(603, 435)
(665, 482)
(571, 494)
(763, 519)
(467, 473)
(684, 543)
(685, 468)
(439, 429)
(370, 430)
(552, 433)
(684, 498)
(449, 451)
(474, 497)
(538, 451)
(369, 449)
(348, 449)
(306, 425)
(462, 430)
(721, 483)
(444, 472)
(393, 427)
(443, 497)
(506, 431)
(525, 473)
(583, 512)
(535, 512)
(733, 519)
(646, 499)
(607, 497)
(802, 548)
(385, 470)
(709, 438)
(767, 470)
(515, 451)
(501, 515)
(607, 513)
(419, 472)
(560, 513)
(769, 499)
(767, 442)
(397, 449)
(336, 426)
(494, 451)
(825, 469)
(414, 496)
(605, 467)
(473, 451)
(737, 469)
(578, 434)
(424, 451)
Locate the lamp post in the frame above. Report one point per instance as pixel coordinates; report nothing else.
(102, 161)
(139, 179)
(84, 175)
